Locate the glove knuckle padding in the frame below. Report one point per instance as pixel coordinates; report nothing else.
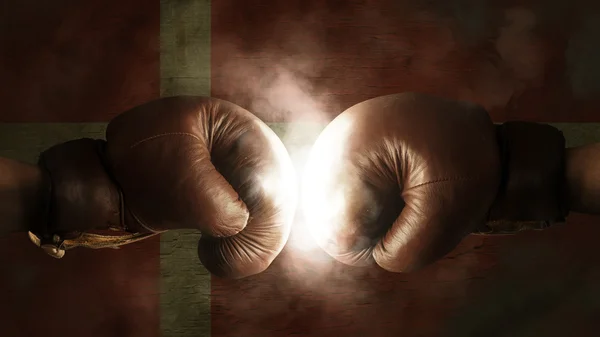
(202, 163)
(405, 178)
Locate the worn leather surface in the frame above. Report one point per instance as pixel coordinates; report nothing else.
(392, 180)
(83, 196)
(181, 163)
(213, 166)
(521, 60)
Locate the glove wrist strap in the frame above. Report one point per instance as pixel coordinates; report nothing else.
(531, 193)
(82, 198)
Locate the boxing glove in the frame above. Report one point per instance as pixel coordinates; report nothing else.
(174, 163)
(400, 180)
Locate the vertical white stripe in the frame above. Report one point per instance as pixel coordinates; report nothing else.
(184, 70)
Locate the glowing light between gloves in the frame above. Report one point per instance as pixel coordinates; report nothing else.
(322, 201)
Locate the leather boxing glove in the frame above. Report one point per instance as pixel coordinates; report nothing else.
(174, 163)
(401, 179)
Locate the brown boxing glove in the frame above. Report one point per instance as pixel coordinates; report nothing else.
(174, 163)
(400, 180)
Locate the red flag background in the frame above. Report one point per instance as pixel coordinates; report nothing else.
(67, 67)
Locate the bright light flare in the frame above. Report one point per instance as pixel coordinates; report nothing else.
(316, 165)
(322, 201)
(281, 184)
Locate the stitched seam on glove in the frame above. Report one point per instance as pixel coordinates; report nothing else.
(137, 219)
(143, 224)
(163, 135)
(442, 180)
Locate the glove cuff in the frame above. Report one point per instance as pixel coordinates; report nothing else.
(82, 196)
(532, 188)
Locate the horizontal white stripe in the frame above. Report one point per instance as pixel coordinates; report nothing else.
(185, 284)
